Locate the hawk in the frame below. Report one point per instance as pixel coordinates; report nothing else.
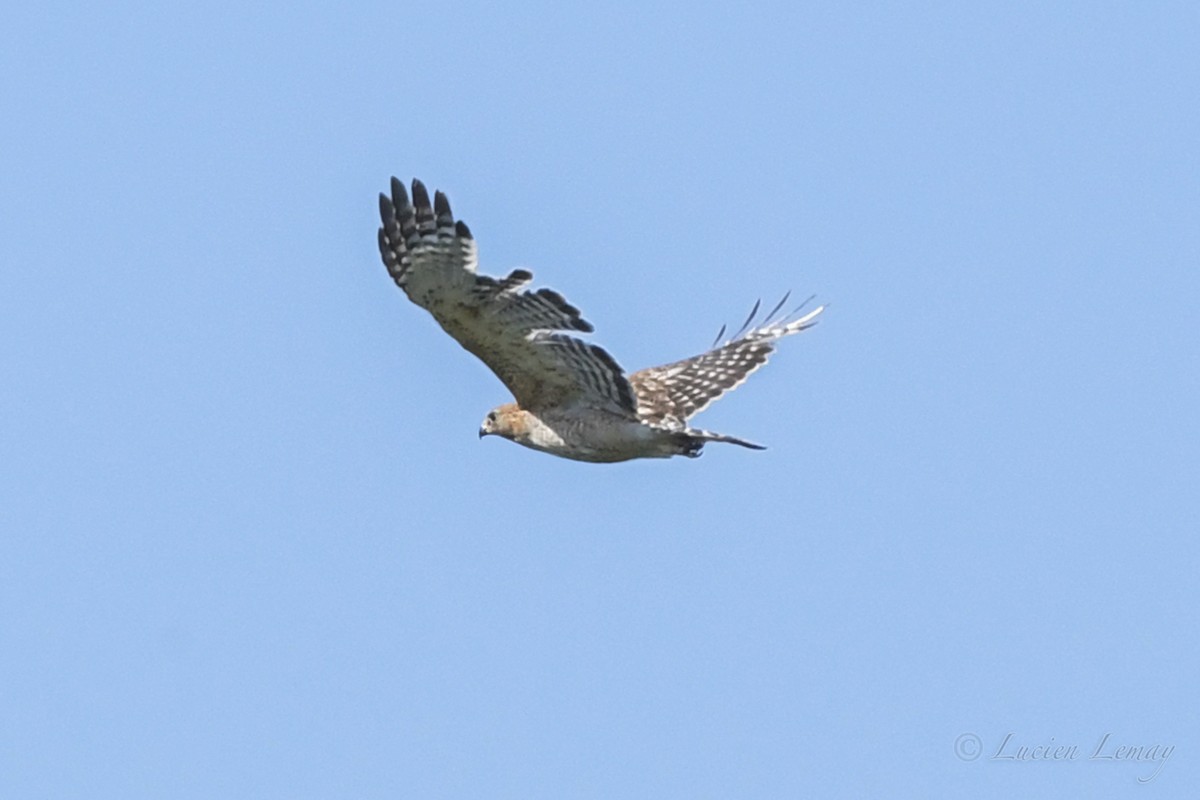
(572, 398)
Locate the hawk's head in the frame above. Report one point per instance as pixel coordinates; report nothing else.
(508, 421)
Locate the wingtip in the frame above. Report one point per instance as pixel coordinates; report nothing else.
(441, 204)
(809, 319)
(769, 317)
(748, 324)
(399, 194)
(420, 195)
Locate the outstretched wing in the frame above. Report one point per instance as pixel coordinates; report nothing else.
(517, 332)
(669, 394)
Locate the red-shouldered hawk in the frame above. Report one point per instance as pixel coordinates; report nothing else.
(572, 398)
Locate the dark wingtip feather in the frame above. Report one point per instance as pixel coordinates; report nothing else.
(778, 306)
(387, 211)
(461, 229)
(399, 195)
(807, 300)
(420, 195)
(441, 205)
(746, 325)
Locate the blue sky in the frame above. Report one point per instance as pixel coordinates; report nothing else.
(252, 547)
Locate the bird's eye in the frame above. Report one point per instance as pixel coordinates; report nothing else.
(491, 416)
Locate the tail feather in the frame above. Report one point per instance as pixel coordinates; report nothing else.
(702, 436)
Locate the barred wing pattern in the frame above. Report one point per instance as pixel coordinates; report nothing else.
(670, 394)
(516, 332)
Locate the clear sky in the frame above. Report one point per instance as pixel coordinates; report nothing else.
(251, 547)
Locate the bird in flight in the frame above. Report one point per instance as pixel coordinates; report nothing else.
(572, 398)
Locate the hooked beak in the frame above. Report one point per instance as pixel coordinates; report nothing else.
(482, 433)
